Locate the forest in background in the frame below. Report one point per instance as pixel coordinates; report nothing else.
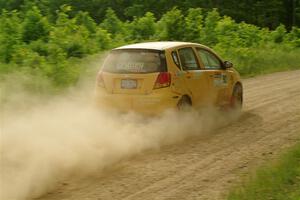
(263, 13)
(46, 39)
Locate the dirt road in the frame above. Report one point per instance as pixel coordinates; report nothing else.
(205, 167)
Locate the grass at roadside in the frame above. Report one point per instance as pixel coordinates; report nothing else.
(250, 62)
(279, 181)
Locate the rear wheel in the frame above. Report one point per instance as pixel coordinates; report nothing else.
(184, 103)
(237, 97)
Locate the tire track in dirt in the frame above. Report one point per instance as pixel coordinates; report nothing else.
(205, 167)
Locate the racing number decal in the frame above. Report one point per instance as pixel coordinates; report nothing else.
(224, 79)
(220, 79)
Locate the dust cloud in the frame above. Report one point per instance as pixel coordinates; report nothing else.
(68, 136)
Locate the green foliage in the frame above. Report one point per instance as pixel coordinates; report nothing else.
(142, 28)
(250, 35)
(230, 34)
(265, 13)
(209, 34)
(35, 26)
(25, 56)
(278, 34)
(293, 37)
(83, 19)
(266, 59)
(193, 25)
(136, 10)
(102, 39)
(68, 36)
(226, 32)
(10, 34)
(29, 41)
(39, 41)
(112, 23)
(171, 25)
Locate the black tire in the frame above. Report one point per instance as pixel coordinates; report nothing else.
(237, 98)
(184, 103)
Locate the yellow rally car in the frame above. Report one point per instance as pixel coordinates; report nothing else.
(154, 76)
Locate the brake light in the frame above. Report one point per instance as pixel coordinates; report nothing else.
(100, 81)
(163, 80)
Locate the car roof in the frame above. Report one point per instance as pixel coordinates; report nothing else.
(157, 45)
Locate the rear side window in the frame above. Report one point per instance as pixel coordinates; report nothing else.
(188, 59)
(209, 60)
(135, 61)
(175, 59)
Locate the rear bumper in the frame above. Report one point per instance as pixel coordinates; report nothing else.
(151, 104)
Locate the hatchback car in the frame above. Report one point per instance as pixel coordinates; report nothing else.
(154, 76)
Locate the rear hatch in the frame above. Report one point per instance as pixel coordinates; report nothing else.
(133, 71)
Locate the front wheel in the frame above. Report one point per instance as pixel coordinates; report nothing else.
(237, 98)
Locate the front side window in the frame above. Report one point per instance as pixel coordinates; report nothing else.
(135, 61)
(209, 60)
(188, 59)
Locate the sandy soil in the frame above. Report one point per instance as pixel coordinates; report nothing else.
(204, 167)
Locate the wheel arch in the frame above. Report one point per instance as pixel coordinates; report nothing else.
(187, 97)
(238, 84)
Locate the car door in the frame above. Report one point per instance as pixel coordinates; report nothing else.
(193, 77)
(217, 76)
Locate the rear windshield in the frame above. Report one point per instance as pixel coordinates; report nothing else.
(135, 61)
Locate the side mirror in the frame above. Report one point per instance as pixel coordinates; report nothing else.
(227, 64)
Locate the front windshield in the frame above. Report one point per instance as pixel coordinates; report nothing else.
(135, 61)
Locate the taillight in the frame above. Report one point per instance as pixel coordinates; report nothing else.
(163, 80)
(100, 81)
